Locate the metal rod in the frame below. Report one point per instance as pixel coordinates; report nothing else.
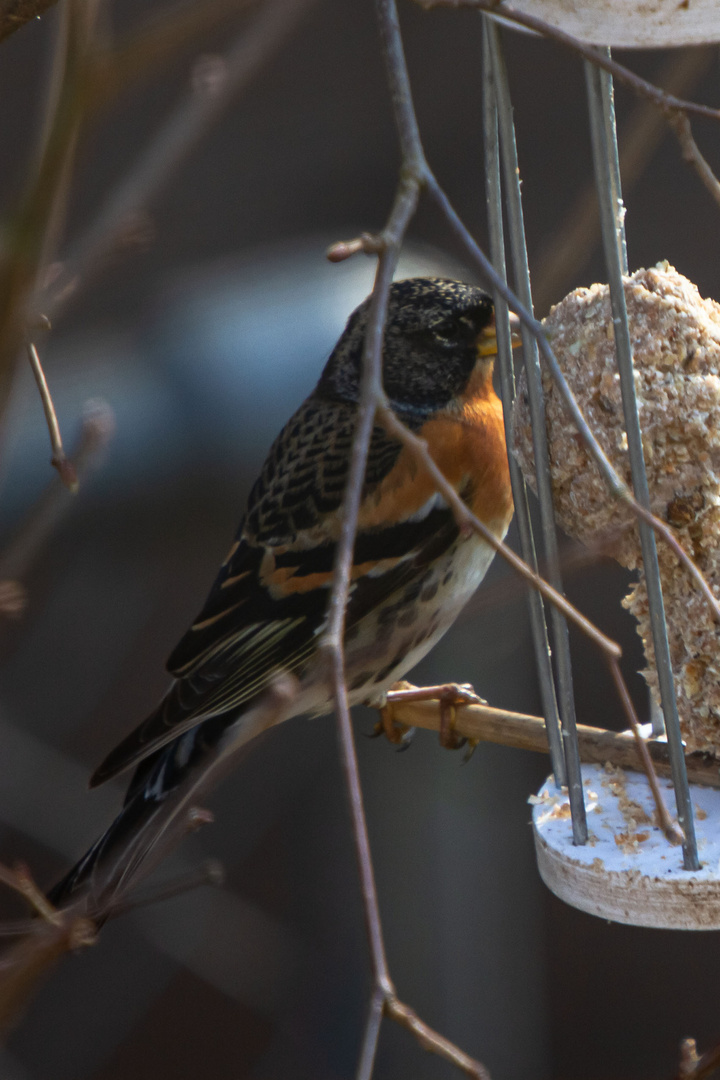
(537, 413)
(607, 175)
(538, 624)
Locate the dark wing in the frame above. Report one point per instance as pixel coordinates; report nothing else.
(269, 602)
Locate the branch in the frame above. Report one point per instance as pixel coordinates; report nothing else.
(28, 963)
(384, 999)
(483, 723)
(674, 109)
(433, 1042)
(15, 13)
(414, 169)
(97, 429)
(270, 29)
(30, 232)
(666, 102)
(58, 460)
(465, 518)
(694, 1066)
(690, 151)
(371, 387)
(570, 246)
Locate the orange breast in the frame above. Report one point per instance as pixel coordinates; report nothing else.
(468, 444)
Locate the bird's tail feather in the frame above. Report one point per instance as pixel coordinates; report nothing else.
(159, 804)
(115, 857)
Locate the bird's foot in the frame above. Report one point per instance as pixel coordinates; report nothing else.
(400, 735)
(448, 696)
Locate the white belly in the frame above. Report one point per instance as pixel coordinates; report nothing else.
(389, 642)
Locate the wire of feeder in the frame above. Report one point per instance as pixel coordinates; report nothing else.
(538, 624)
(607, 176)
(536, 400)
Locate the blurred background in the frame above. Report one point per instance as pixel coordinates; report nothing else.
(202, 339)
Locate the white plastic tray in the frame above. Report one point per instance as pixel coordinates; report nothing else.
(628, 871)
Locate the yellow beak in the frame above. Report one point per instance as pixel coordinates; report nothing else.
(487, 338)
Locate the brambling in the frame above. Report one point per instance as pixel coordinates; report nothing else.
(413, 568)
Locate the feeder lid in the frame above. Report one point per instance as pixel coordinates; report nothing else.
(632, 24)
(628, 871)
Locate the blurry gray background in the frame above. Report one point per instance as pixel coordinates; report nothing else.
(203, 343)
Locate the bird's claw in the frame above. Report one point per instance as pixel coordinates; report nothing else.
(449, 697)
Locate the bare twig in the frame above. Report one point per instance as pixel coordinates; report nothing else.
(433, 1042)
(664, 820)
(21, 881)
(418, 447)
(616, 485)
(681, 126)
(30, 233)
(675, 109)
(211, 872)
(58, 460)
(694, 1066)
(15, 13)
(343, 249)
(405, 203)
(666, 102)
(272, 26)
(483, 723)
(28, 963)
(570, 246)
(97, 429)
(156, 41)
(384, 999)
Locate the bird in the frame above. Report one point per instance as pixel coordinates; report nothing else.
(413, 567)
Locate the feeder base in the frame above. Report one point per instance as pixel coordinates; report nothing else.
(628, 872)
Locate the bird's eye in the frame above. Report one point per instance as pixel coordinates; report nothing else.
(451, 333)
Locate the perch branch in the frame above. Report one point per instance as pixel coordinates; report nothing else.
(483, 723)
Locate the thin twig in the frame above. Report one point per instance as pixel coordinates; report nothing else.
(571, 244)
(680, 125)
(271, 28)
(666, 102)
(664, 820)
(30, 233)
(21, 881)
(371, 1035)
(694, 1066)
(211, 872)
(433, 1042)
(34, 530)
(403, 209)
(674, 109)
(58, 460)
(384, 998)
(418, 448)
(15, 13)
(616, 485)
